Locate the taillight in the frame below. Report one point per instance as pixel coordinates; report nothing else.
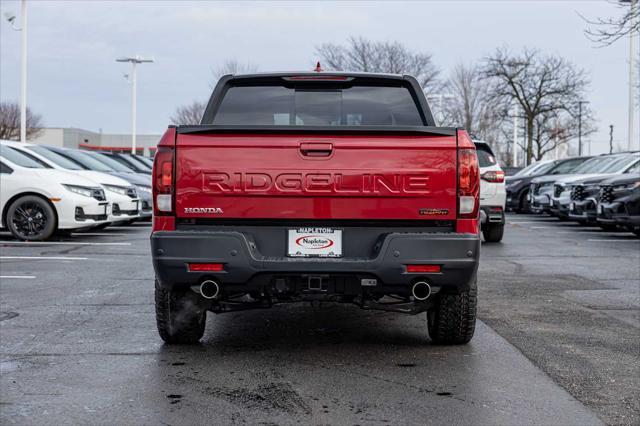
(205, 267)
(423, 269)
(163, 170)
(468, 178)
(493, 176)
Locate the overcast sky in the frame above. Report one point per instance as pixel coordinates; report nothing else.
(75, 82)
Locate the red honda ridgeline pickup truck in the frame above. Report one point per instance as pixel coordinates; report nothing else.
(319, 187)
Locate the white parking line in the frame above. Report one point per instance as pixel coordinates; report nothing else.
(72, 243)
(42, 258)
(580, 231)
(18, 277)
(98, 234)
(613, 241)
(526, 223)
(544, 227)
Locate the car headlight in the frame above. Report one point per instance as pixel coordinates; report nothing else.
(122, 190)
(632, 185)
(145, 189)
(80, 190)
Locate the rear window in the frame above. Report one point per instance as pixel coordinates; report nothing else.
(320, 105)
(485, 156)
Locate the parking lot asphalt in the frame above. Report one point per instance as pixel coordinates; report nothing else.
(557, 343)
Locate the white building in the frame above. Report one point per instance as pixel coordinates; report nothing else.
(70, 137)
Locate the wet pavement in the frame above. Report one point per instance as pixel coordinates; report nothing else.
(79, 345)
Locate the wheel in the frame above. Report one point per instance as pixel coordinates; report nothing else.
(178, 317)
(452, 320)
(31, 218)
(493, 232)
(525, 205)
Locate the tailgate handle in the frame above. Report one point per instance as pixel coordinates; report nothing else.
(316, 149)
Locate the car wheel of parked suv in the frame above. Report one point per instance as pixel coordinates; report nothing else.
(453, 319)
(493, 232)
(177, 317)
(525, 205)
(31, 218)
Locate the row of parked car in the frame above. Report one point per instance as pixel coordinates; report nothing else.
(46, 189)
(602, 190)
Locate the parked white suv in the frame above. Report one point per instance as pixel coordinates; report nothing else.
(35, 201)
(493, 195)
(124, 200)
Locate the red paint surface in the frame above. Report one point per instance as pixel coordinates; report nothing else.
(269, 176)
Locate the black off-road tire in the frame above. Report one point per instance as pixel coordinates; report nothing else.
(452, 321)
(493, 232)
(179, 319)
(31, 218)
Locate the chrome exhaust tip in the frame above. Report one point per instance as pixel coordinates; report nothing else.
(209, 289)
(421, 290)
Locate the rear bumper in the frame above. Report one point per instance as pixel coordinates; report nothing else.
(245, 269)
(492, 215)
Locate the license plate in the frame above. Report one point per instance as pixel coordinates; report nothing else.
(600, 209)
(107, 209)
(315, 242)
(572, 207)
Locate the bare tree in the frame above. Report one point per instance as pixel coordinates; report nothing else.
(543, 86)
(606, 31)
(10, 122)
(470, 106)
(232, 66)
(555, 129)
(361, 54)
(189, 114)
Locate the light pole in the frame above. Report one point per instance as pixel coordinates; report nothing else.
(134, 62)
(515, 136)
(23, 66)
(580, 126)
(633, 4)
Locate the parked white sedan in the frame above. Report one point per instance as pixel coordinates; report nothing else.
(35, 201)
(123, 197)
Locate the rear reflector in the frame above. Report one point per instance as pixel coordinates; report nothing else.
(423, 269)
(205, 267)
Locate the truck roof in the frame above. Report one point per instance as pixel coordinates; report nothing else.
(319, 75)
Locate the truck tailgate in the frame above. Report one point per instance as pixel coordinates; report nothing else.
(298, 176)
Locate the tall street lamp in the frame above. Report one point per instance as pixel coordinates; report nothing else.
(23, 66)
(134, 62)
(633, 4)
(580, 103)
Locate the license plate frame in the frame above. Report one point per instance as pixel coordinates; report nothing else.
(314, 242)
